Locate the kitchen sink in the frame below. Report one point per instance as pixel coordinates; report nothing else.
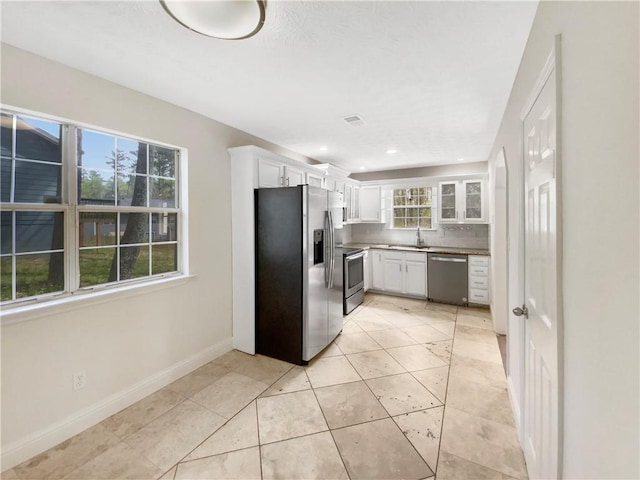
(400, 247)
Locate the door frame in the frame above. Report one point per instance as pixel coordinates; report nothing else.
(553, 62)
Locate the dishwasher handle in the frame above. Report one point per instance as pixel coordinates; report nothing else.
(448, 259)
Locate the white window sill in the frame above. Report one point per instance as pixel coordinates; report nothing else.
(79, 300)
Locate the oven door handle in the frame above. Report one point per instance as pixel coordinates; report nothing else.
(355, 257)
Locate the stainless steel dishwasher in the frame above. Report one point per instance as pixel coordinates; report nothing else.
(447, 278)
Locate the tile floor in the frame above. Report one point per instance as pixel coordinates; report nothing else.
(408, 390)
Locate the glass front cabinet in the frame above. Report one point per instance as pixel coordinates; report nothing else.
(462, 201)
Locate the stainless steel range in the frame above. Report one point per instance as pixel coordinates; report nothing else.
(353, 278)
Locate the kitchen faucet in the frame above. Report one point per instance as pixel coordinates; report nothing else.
(419, 240)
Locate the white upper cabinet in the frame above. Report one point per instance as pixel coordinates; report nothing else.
(370, 204)
(352, 202)
(293, 176)
(462, 201)
(315, 180)
(270, 173)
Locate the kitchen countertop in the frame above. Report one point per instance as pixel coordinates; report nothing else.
(410, 248)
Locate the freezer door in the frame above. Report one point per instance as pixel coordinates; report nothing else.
(315, 331)
(336, 292)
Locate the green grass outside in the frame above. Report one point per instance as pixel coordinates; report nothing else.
(95, 266)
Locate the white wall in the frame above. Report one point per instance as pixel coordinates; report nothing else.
(139, 338)
(600, 192)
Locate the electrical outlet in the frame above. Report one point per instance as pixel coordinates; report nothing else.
(79, 380)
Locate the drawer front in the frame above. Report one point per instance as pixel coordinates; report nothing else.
(479, 271)
(479, 282)
(478, 261)
(478, 296)
(391, 255)
(416, 257)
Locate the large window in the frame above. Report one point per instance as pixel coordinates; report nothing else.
(412, 207)
(82, 208)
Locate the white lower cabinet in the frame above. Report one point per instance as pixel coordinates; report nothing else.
(415, 278)
(366, 270)
(393, 274)
(479, 280)
(399, 272)
(377, 269)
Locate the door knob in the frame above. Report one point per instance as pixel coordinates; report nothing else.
(518, 312)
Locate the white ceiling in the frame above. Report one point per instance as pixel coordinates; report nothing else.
(430, 79)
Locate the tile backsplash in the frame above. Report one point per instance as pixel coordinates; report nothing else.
(463, 236)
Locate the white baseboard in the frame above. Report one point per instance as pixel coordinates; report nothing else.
(66, 428)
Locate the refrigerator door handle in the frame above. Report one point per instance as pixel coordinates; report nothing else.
(331, 250)
(327, 248)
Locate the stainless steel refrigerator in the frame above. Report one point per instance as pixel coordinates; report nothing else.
(298, 271)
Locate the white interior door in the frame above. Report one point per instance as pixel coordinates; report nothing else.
(542, 411)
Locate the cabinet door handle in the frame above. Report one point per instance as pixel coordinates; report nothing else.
(464, 214)
(406, 268)
(281, 180)
(287, 181)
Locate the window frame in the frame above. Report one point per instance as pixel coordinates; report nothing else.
(71, 208)
(432, 207)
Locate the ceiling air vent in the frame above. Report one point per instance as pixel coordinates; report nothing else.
(354, 120)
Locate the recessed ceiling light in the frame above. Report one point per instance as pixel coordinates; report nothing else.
(461, 159)
(391, 152)
(323, 149)
(361, 168)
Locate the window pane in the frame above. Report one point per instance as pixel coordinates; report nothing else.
(132, 156)
(38, 182)
(134, 228)
(134, 262)
(96, 266)
(97, 229)
(163, 193)
(164, 227)
(95, 187)
(6, 135)
(398, 223)
(425, 222)
(413, 200)
(448, 212)
(5, 179)
(6, 232)
(425, 212)
(97, 150)
(5, 278)
(399, 212)
(132, 190)
(38, 140)
(164, 259)
(399, 200)
(162, 161)
(39, 231)
(412, 222)
(38, 274)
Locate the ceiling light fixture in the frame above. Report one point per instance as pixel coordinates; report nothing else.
(361, 168)
(391, 152)
(461, 159)
(223, 19)
(323, 149)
